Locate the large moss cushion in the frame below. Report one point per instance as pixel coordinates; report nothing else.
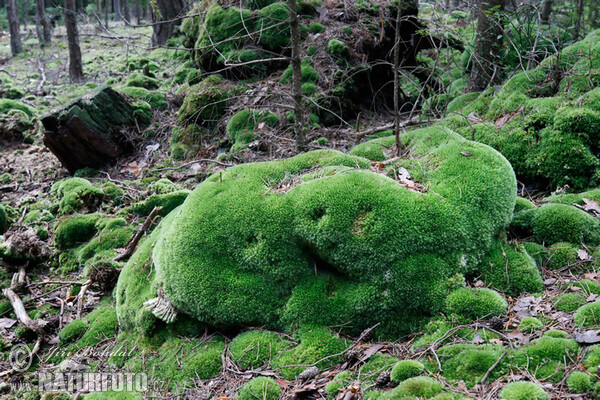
(326, 238)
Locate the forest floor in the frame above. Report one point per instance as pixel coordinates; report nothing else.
(43, 75)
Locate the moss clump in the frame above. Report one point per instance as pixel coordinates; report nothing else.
(370, 371)
(337, 48)
(156, 100)
(274, 35)
(309, 74)
(7, 105)
(406, 369)
(243, 126)
(568, 302)
(255, 349)
(546, 356)
(556, 333)
(112, 395)
(3, 220)
(337, 384)
(113, 192)
(561, 255)
(204, 102)
(140, 80)
(523, 391)
(319, 207)
(260, 388)
(579, 382)
(316, 27)
(419, 386)
(112, 234)
(168, 202)
(476, 303)
(75, 230)
(510, 268)
(553, 223)
(530, 325)
(523, 204)
(102, 324)
(77, 194)
(588, 286)
(73, 331)
(587, 315)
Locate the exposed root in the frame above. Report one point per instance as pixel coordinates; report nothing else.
(161, 308)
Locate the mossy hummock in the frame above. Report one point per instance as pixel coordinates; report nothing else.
(320, 238)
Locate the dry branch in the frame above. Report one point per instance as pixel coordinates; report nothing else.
(133, 242)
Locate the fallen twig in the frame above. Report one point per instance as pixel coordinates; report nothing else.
(35, 325)
(133, 242)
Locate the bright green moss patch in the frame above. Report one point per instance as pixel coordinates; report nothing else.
(309, 74)
(338, 383)
(204, 102)
(73, 331)
(546, 356)
(553, 223)
(555, 333)
(523, 391)
(243, 247)
(74, 230)
(530, 325)
(260, 388)
(76, 194)
(7, 105)
(274, 35)
(419, 386)
(568, 302)
(316, 27)
(337, 48)
(406, 369)
(476, 303)
(243, 126)
(155, 99)
(587, 315)
(255, 349)
(168, 202)
(579, 382)
(561, 255)
(140, 80)
(112, 395)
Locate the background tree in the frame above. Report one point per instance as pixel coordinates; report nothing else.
(117, 10)
(545, 12)
(165, 15)
(486, 68)
(297, 78)
(13, 23)
(41, 23)
(75, 64)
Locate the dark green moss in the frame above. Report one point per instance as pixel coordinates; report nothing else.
(476, 303)
(406, 369)
(74, 230)
(255, 349)
(260, 388)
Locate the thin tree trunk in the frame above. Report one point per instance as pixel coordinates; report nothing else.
(75, 65)
(13, 23)
(137, 12)
(297, 78)
(579, 20)
(144, 13)
(106, 2)
(165, 19)
(485, 69)
(397, 39)
(545, 12)
(117, 10)
(126, 12)
(42, 23)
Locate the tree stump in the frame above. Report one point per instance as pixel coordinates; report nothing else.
(92, 131)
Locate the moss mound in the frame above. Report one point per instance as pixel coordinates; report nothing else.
(406, 369)
(75, 230)
(255, 349)
(204, 102)
(588, 315)
(569, 302)
(243, 247)
(260, 388)
(243, 126)
(579, 382)
(77, 194)
(523, 391)
(476, 303)
(530, 325)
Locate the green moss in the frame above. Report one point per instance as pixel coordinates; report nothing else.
(204, 102)
(76, 194)
(337, 48)
(561, 255)
(73, 230)
(316, 27)
(419, 386)
(312, 212)
(168, 202)
(530, 325)
(476, 303)
(316, 343)
(255, 349)
(309, 74)
(406, 369)
(370, 371)
(338, 383)
(588, 286)
(579, 382)
(523, 391)
(274, 35)
(112, 395)
(114, 235)
(260, 388)
(510, 268)
(156, 100)
(140, 80)
(309, 88)
(523, 204)
(536, 251)
(587, 315)
(556, 333)
(7, 105)
(243, 126)
(102, 324)
(73, 331)
(553, 223)
(568, 302)
(546, 356)
(113, 192)
(3, 220)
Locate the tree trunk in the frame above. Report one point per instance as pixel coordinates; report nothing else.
(106, 2)
(138, 11)
(169, 11)
(297, 78)
(396, 66)
(579, 19)
(13, 23)
(486, 67)
(75, 65)
(126, 13)
(117, 10)
(42, 23)
(545, 12)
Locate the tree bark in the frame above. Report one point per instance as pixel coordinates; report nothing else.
(42, 23)
(126, 12)
(165, 19)
(486, 67)
(75, 64)
(117, 10)
(138, 11)
(545, 12)
(13, 23)
(397, 39)
(579, 19)
(297, 78)
(106, 2)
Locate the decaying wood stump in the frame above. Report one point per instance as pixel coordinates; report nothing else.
(92, 130)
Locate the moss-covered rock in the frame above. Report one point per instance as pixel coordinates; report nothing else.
(168, 202)
(242, 249)
(273, 34)
(406, 369)
(74, 230)
(156, 99)
(7, 105)
(142, 81)
(77, 194)
(579, 382)
(243, 126)
(588, 315)
(476, 303)
(204, 102)
(530, 325)
(523, 391)
(260, 388)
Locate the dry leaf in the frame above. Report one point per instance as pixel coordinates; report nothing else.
(583, 255)
(591, 205)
